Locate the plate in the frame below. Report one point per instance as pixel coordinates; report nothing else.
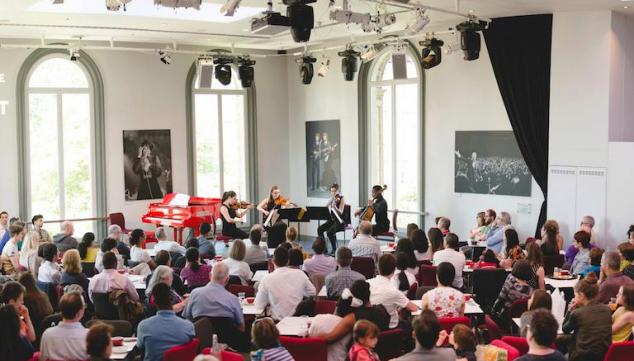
(563, 278)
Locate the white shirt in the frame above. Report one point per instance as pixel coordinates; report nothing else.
(283, 289)
(324, 324)
(99, 261)
(49, 272)
(66, 341)
(383, 292)
(138, 254)
(240, 269)
(456, 258)
(365, 246)
(10, 249)
(110, 280)
(170, 246)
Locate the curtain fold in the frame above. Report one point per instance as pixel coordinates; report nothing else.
(520, 51)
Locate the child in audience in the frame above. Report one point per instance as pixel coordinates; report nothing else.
(582, 259)
(462, 339)
(266, 338)
(366, 336)
(623, 317)
(595, 263)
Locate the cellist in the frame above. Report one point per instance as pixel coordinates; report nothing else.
(378, 204)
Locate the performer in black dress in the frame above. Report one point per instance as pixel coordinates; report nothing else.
(335, 206)
(274, 201)
(231, 213)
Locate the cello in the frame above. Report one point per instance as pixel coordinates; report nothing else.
(368, 213)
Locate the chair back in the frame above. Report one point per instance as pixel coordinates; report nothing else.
(234, 280)
(318, 280)
(427, 275)
(88, 269)
(118, 219)
(186, 352)
(448, 323)
(48, 321)
(512, 352)
(122, 328)
(487, 284)
(519, 343)
(518, 307)
(363, 265)
(224, 355)
(550, 262)
(235, 289)
(306, 349)
(260, 266)
(411, 293)
(104, 310)
(51, 291)
(325, 306)
(204, 333)
(390, 344)
(620, 351)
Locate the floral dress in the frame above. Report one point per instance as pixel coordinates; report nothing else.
(445, 301)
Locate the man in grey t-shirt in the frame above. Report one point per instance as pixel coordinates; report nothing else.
(426, 330)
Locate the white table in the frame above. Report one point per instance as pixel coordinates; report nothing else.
(561, 283)
(471, 307)
(294, 326)
(517, 323)
(387, 249)
(468, 269)
(259, 275)
(120, 352)
(251, 309)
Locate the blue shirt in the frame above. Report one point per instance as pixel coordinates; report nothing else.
(159, 333)
(495, 239)
(213, 300)
(4, 240)
(206, 247)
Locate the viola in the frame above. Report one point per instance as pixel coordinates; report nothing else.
(243, 205)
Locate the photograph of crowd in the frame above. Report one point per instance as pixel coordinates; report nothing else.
(490, 162)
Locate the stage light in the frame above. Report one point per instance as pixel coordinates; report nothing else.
(246, 71)
(229, 8)
(349, 63)
(115, 5)
(165, 57)
(368, 53)
(223, 70)
(73, 54)
(301, 19)
(470, 38)
(432, 53)
(421, 22)
(306, 70)
(324, 66)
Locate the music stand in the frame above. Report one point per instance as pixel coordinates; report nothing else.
(295, 214)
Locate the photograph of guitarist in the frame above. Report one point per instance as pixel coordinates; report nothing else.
(379, 205)
(335, 206)
(315, 173)
(327, 152)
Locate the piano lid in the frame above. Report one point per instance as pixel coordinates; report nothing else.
(176, 200)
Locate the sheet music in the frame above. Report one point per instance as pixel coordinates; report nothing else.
(179, 200)
(272, 218)
(334, 211)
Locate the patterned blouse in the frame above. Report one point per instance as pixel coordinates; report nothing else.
(445, 301)
(515, 254)
(512, 291)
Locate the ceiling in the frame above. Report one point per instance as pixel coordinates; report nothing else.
(145, 23)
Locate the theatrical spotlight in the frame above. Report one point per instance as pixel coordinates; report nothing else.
(421, 21)
(431, 54)
(306, 70)
(324, 66)
(223, 70)
(368, 52)
(74, 54)
(349, 63)
(165, 57)
(301, 19)
(470, 38)
(246, 71)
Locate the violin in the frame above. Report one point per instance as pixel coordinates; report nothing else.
(242, 205)
(281, 201)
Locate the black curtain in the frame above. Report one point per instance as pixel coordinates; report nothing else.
(520, 49)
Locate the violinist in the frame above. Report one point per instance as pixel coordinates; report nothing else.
(379, 206)
(335, 206)
(232, 212)
(274, 201)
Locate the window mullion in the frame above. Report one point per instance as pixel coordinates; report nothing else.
(394, 148)
(221, 157)
(60, 156)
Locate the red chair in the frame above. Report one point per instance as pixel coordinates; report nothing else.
(186, 352)
(390, 344)
(225, 355)
(490, 329)
(393, 232)
(325, 306)
(363, 265)
(517, 309)
(427, 275)
(448, 323)
(519, 343)
(620, 351)
(119, 220)
(305, 349)
(513, 353)
(235, 289)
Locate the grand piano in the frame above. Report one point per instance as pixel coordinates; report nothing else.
(181, 211)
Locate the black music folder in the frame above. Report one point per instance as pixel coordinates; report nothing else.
(293, 214)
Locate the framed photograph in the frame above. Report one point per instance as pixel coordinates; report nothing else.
(147, 162)
(490, 162)
(323, 157)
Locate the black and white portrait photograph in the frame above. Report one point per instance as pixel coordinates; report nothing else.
(147, 162)
(323, 157)
(490, 162)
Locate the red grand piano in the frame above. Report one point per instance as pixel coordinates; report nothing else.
(182, 211)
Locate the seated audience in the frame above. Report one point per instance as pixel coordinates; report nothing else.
(236, 264)
(421, 245)
(489, 259)
(366, 336)
(99, 342)
(50, 271)
(463, 341)
(276, 234)
(38, 222)
(67, 340)
(489, 221)
(165, 330)
(541, 334)
(344, 277)
(13, 295)
(411, 227)
(613, 278)
(512, 250)
(36, 301)
(167, 245)
(65, 240)
(291, 237)
(596, 254)
(551, 241)
(406, 246)
(137, 254)
(266, 339)
(589, 321)
(255, 253)
(630, 234)
(204, 243)
(444, 300)
(28, 254)
(4, 225)
(515, 288)
(295, 258)
(404, 278)
(164, 275)
(452, 255)
(626, 250)
(476, 232)
(13, 345)
(110, 280)
(539, 300)
(284, 288)
(426, 331)
(319, 263)
(323, 324)
(364, 245)
(87, 248)
(443, 224)
(115, 232)
(162, 258)
(582, 259)
(535, 259)
(11, 252)
(383, 292)
(587, 223)
(195, 273)
(108, 245)
(72, 271)
(436, 241)
(623, 317)
(495, 237)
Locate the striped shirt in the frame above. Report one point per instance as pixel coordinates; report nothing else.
(277, 354)
(365, 246)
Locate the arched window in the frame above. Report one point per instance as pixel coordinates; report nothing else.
(61, 139)
(394, 131)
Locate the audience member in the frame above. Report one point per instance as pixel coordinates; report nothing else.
(11, 252)
(108, 245)
(276, 234)
(587, 223)
(72, 274)
(164, 275)
(344, 277)
(630, 234)
(50, 271)
(67, 340)
(205, 245)
(551, 241)
(383, 292)
(36, 301)
(319, 263)
(110, 280)
(295, 258)
(421, 245)
(515, 288)
(115, 232)
(13, 345)
(512, 250)
(488, 259)
(38, 222)
(65, 240)
(539, 300)
(266, 339)
(159, 333)
(167, 245)
(443, 224)
(495, 237)
(407, 246)
(87, 248)
(324, 324)
(236, 264)
(364, 245)
(541, 334)
(436, 241)
(612, 277)
(99, 342)
(255, 253)
(463, 341)
(444, 300)
(411, 227)
(596, 254)
(535, 259)
(138, 254)
(28, 253)
(366, 336)
(476, 233)
(582, 259)
(284, 288)
(163, 258)
(7, 234)
(426, 331)
(4, 224)
(452, 255)
(626, 250)
(13, 294)
(195, 273)
(404, 278)
(623, 317)
(291, 238)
